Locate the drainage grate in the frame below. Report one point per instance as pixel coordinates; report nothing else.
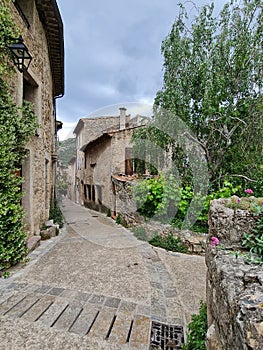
(166, 337)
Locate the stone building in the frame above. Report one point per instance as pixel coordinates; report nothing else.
(71, 176)
(103, 150)
(41, 27)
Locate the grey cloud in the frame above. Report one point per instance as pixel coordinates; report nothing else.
(112, 52)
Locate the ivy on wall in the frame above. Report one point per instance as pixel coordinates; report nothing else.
(17, 124)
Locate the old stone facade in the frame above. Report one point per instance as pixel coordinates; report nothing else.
(42, 30)
(234, 288)
(103, 150)
(71, 176)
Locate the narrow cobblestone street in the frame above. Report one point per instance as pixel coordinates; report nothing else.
(95, 286)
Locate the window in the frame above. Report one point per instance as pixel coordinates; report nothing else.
(99, 193)
(133, 164)
(93, 197)
(89, 192)
(128, 161)
(29, 90)
(85, 192)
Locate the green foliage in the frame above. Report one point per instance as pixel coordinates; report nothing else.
(16, 127)
(247, 203)
(197, 329)
(227, 190)
(213, 82)
(55, 213)
(254, 242)
(140, 233)
(5, 274)
(8, 31)
(118, 220)
(148, 194)
(169, 242)
(157, 195)
(161, 196)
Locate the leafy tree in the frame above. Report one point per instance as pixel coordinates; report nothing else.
(16, 127)
(213, 82)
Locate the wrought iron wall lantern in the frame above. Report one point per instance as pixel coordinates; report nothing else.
(20, 55)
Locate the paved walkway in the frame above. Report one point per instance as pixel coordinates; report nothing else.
(95, 286)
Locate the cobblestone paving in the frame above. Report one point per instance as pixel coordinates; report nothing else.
(95, 315)
(84, 314)
(104, 297)
(165, 305)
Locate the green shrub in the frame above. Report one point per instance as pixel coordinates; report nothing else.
(140, 233)
(118, 219)
(169, 242)
(197, 330)
(162, 197)
(254, 243)
(55, 213)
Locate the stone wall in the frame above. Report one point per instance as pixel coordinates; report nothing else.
(97, 175)
(36, 86)
(125, 204)
(120, 141)
(234, 288)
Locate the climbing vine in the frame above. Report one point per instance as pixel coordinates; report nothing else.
(17, 125)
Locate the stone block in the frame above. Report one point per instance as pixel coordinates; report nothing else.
(32, 243)
(50, 223)
(44, 234)
(53, 231)
(234, 288)
(49, 232)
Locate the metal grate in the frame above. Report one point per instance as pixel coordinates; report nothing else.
(166, 337)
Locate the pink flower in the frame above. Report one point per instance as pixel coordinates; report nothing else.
(239, 200)
(249, 191)
(214, 241)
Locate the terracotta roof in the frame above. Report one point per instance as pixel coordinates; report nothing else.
(125, 178)
(50, 17)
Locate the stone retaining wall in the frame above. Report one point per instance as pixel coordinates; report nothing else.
(234, 288)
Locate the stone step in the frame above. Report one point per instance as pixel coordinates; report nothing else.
(101, 317)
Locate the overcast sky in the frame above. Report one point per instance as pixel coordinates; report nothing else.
(112, 54)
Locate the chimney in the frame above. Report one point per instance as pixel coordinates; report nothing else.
(122, 117)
